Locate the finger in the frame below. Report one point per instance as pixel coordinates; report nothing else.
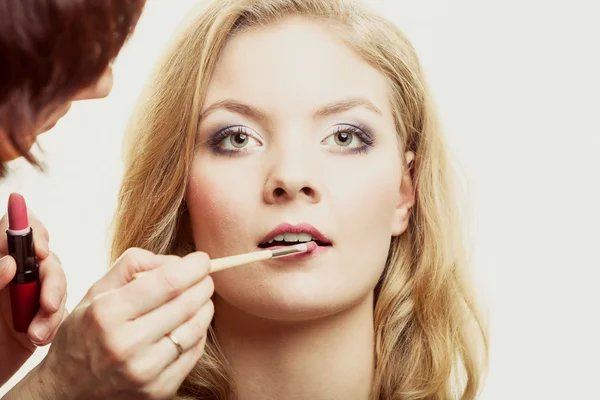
(177, 311)
(41, 238)
(65, 314)
(132, 261)
(54, 284)
(167, 383)
(164, 352)
(41, 243)
(189, 333)
(3, 228)
(155, 288)
(44, 326)
(8, 268)
(140, 333)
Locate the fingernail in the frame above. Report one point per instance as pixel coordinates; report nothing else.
(3, 264)
(40, 331)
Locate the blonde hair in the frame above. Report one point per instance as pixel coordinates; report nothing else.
(430, 339)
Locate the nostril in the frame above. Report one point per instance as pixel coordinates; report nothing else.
(281, 192)
(307, 191)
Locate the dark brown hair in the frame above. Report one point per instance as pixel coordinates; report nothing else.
(50, 50)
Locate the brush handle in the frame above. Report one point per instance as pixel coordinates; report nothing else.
(220, 264)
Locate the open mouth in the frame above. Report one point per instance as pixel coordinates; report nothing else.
(283, 242)
(287, 235)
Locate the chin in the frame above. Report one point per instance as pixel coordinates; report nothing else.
(291, 301)
(290, 312)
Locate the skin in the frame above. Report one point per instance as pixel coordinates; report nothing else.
(310, 320)
(17, 347)
(114, 344)
(100, 89)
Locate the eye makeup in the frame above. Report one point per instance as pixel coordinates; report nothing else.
(237, 140)
(349, 138)
(232, 140)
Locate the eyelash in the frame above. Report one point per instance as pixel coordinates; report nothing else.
(215, 140)
(362, 132)
(359, 131)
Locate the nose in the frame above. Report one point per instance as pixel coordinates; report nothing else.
(291, 179)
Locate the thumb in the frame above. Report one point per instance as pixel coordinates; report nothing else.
(8, 268)
(132, 261)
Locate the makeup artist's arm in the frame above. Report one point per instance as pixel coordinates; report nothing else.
(114, 344)
(16, 347)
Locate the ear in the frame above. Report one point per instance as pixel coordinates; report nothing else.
(407, 197)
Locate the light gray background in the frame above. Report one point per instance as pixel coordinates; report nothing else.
(519, 94)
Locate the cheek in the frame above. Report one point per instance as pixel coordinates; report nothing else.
(364, 204)
(48, 120)
(219, 208)
(364, 197)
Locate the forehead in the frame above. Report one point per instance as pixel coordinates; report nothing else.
(294, 63)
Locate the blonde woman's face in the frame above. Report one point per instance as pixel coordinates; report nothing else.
(297, 130)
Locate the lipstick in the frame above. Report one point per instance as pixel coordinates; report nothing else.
(25, 286)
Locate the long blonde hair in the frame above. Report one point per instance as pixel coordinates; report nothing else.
(430, 340)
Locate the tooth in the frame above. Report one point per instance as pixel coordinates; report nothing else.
(278, 238)
(270, 241)
(304, 237)
(290, 237)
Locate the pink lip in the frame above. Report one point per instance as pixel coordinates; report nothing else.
(300, 228)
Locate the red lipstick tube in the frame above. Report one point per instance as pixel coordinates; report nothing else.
(25, 286)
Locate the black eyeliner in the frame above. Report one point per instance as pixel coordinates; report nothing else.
(362, 132)
(216, 138)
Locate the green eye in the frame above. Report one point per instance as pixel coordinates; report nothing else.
(234, 139)
(238, 140)
(348, 138)
(344, 138)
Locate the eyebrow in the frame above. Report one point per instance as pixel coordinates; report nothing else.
(235, 107)
(327, 110)
(345, 105)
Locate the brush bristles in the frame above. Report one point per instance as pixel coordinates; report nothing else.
(302, 247)
(289, 250)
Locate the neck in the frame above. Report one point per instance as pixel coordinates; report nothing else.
(328, 358)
